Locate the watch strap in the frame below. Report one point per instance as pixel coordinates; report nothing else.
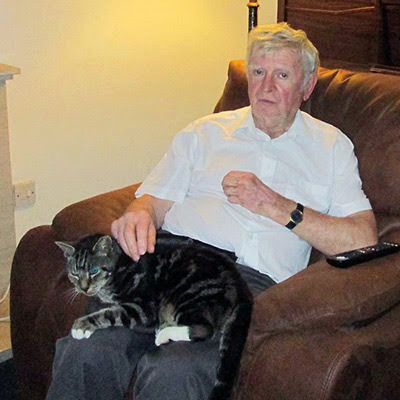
(292, 223)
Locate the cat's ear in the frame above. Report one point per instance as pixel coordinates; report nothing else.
(103, 245)
(68, 250)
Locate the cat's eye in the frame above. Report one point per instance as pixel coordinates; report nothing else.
(94, 270)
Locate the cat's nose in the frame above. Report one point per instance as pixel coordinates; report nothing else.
(85, 287)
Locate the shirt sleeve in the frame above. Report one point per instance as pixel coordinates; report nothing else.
(348, 196)
(170, 179)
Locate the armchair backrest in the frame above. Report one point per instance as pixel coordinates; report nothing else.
(366, 107)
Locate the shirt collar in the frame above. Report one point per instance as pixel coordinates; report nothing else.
(246, 128)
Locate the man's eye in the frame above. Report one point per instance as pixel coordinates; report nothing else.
(283, 75)
(258, 71)
(94, 270)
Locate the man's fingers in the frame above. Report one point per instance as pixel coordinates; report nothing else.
(126, 238)
(141, 232)
(125, 232)
(233, 199)
(228, 186)
(228, 180)
(151, 238)
(129, 242)
(236, 180)
(230, 190)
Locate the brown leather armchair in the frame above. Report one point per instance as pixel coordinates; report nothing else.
(325, 333)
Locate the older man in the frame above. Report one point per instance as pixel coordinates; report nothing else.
(267, 182)
(234, 179)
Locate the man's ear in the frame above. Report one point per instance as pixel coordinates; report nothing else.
(309, 86)
(68, 250)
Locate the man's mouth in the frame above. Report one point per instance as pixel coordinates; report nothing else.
(266, 101)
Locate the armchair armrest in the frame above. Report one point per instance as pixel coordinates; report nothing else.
(93, 215)
(323, 296)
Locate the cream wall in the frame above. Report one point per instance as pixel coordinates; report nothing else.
(105, 84)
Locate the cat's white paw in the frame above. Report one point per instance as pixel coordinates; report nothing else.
(82, 329)
(175, 333)
(81, 334)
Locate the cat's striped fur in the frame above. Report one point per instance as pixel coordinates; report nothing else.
(186, 290)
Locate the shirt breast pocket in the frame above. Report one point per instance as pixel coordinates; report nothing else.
(310, 194)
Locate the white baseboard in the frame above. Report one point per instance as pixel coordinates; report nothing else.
(5, 355)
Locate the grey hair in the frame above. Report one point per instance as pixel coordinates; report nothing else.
(280, 36)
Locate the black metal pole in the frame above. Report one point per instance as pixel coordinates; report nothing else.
(253, 14)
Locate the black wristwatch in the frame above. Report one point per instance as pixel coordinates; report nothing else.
(296, 216)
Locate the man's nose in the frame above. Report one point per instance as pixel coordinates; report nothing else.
(268, 83)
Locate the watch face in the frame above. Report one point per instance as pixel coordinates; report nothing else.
(296, 216)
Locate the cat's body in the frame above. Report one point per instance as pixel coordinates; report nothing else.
(186, 290)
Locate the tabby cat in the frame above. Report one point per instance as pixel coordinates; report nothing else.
(186, 290)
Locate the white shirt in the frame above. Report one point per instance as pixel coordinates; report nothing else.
(312, 163)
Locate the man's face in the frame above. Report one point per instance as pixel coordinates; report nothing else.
(276, 89)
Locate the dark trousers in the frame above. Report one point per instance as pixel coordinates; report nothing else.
(101, 367)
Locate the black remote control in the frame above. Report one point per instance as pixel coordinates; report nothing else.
(363, 254)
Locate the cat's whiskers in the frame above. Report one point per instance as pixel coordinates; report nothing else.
(71, 294)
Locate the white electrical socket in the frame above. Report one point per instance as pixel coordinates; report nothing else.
(24, 194)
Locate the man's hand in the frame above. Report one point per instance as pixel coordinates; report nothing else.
(249, 191)
(135, 230)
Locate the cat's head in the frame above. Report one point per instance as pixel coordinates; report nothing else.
(90, 262)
